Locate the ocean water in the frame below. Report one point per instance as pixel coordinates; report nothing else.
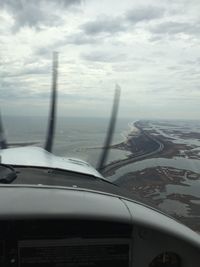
(75, 137)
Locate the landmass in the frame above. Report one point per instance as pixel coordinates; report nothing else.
(173, 189)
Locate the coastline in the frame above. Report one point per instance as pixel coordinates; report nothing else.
(156, 147)
(170, 179)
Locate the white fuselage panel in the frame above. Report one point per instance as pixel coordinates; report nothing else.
(38, 157)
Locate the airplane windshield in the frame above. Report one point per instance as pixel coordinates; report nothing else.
(148, 48)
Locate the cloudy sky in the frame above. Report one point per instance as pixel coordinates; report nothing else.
(150, 48)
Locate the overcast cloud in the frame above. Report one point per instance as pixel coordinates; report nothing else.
(151, 48)
(144, 13)
(103, 24)
(34, 13)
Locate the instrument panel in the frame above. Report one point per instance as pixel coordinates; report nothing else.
(87, 243)
(64, 243)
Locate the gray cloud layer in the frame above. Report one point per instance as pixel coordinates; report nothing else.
(100, 56)
(112, 25)
(144, 14)
(173, 28)
(33, 13)
(98, 50)
(103, 25)
(81, 39)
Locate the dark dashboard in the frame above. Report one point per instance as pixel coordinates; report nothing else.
(55, 226)
(64, 243)
(76, 243)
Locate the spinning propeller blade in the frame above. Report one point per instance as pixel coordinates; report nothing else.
(3, 142)
(111, 129)
(52, 115)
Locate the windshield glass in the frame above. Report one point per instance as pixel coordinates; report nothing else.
(151, 49)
